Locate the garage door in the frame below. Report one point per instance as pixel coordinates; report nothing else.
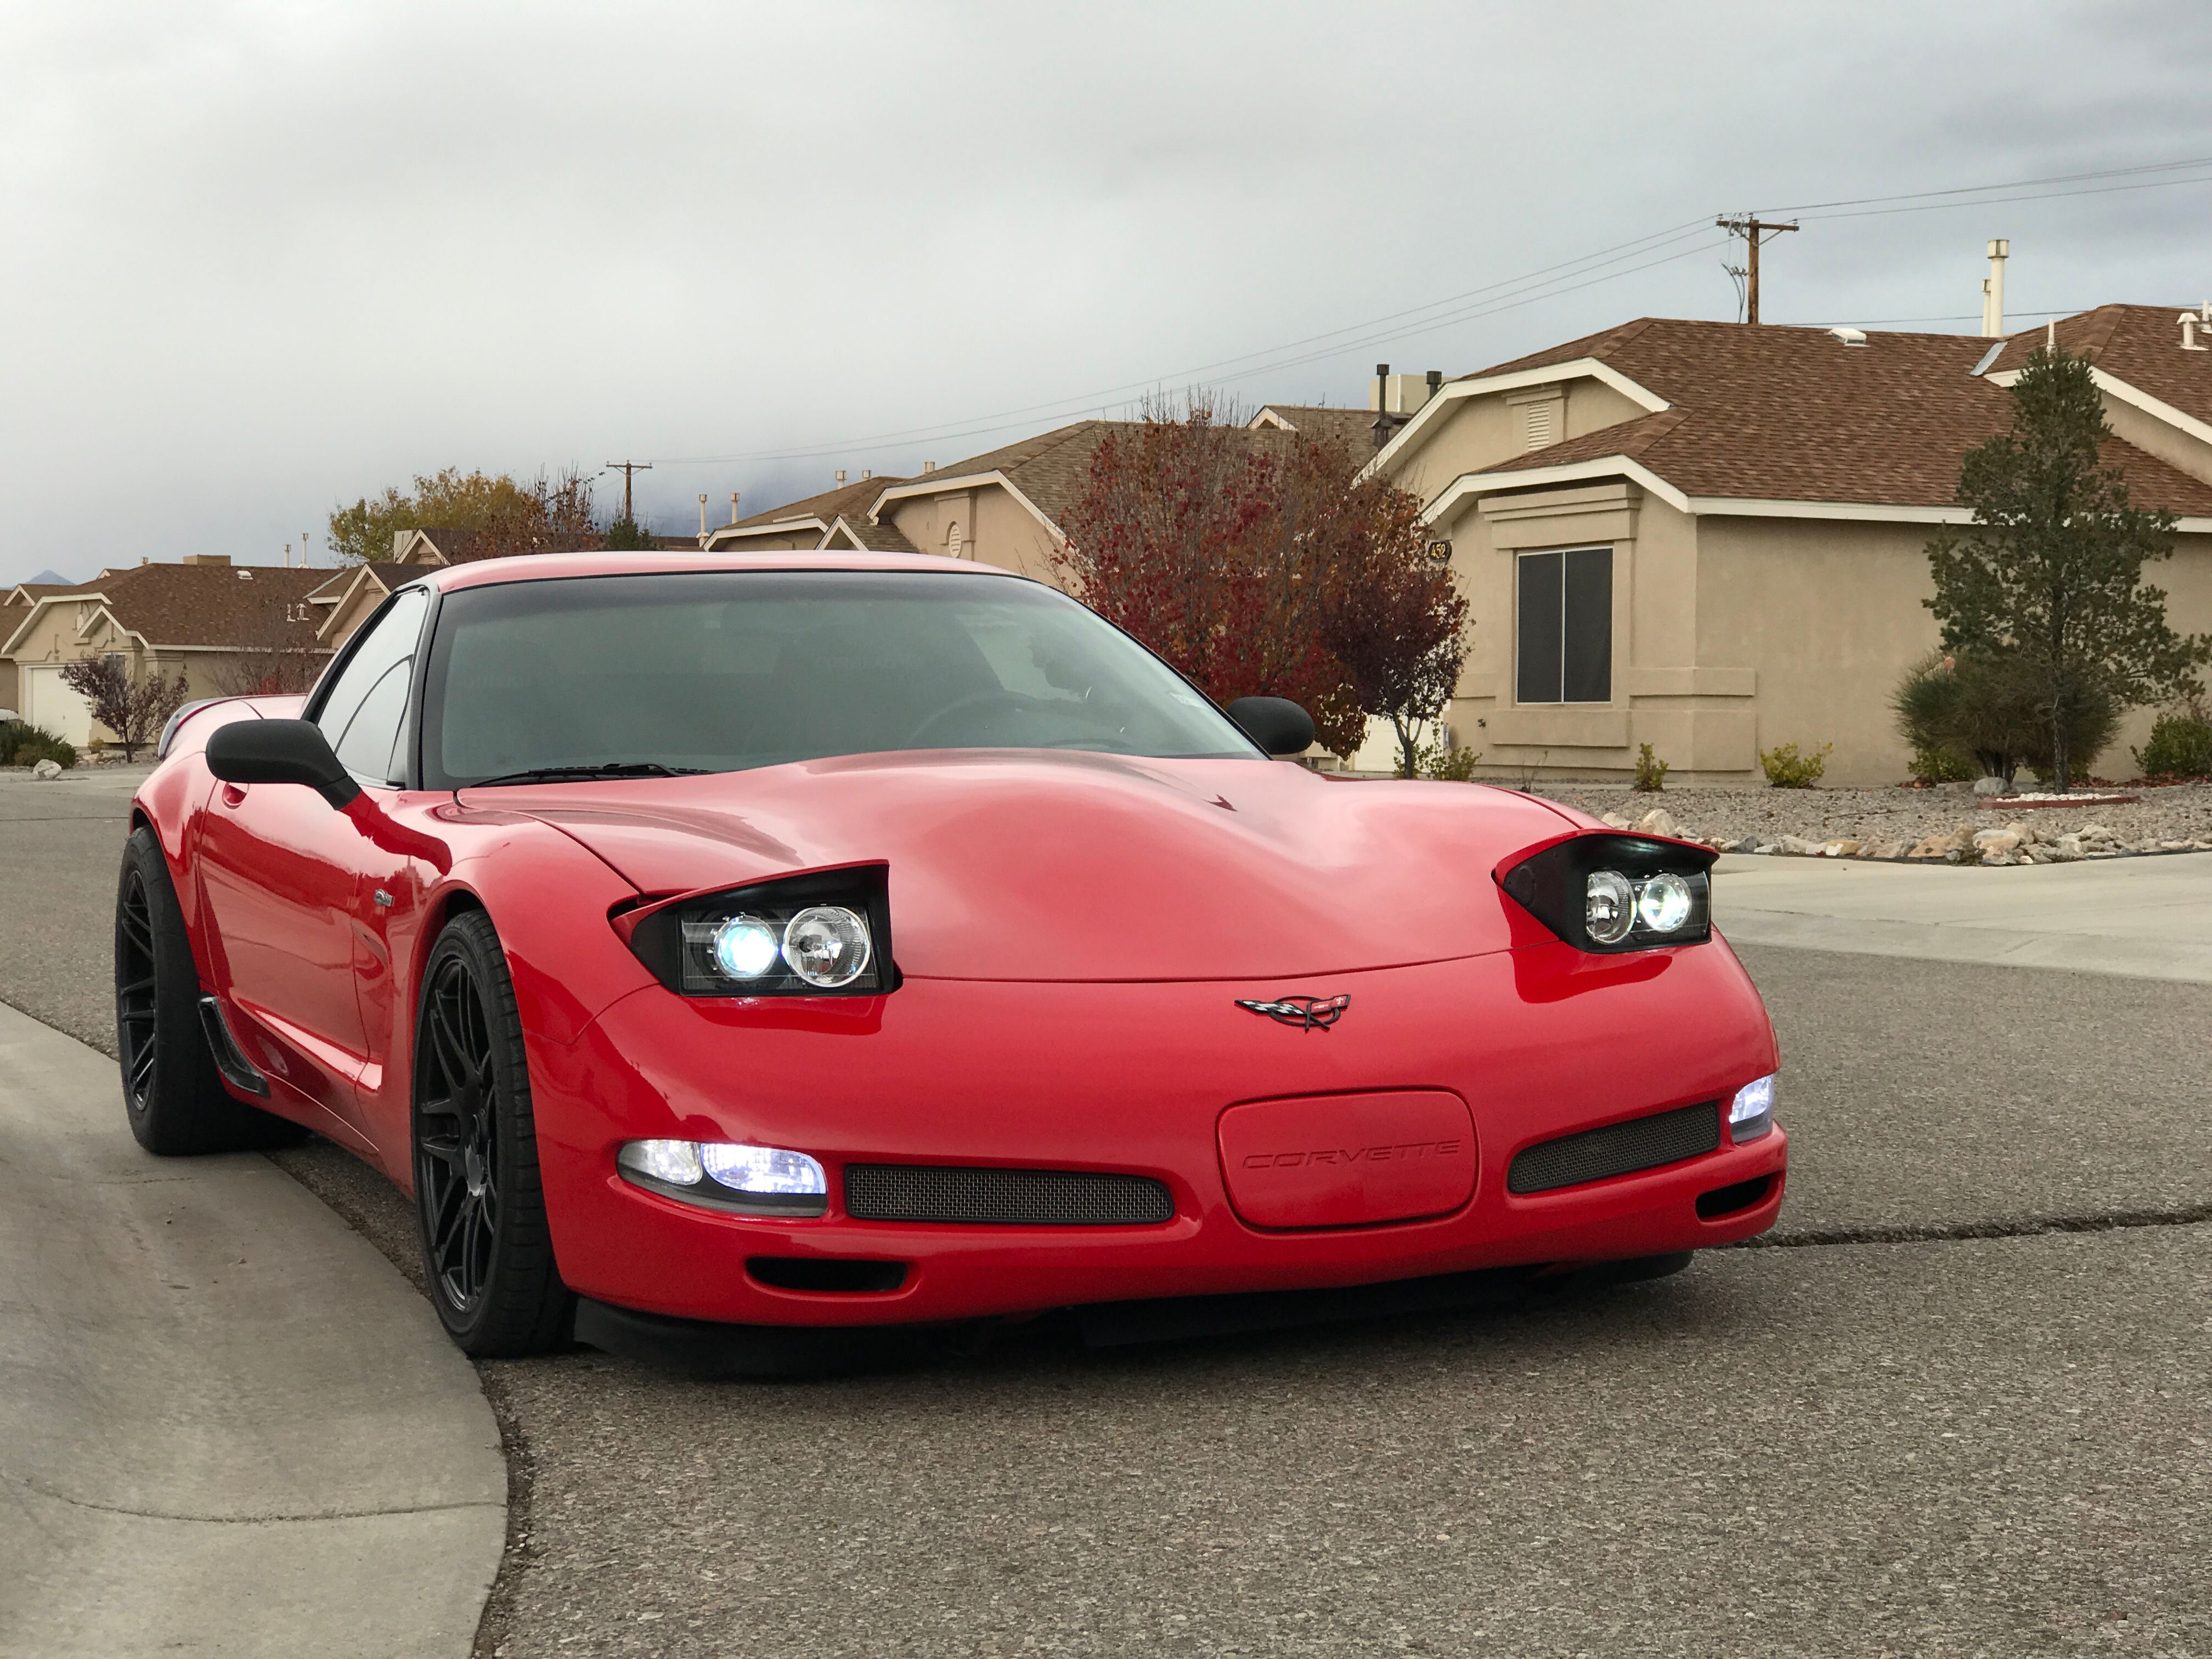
(48, 702)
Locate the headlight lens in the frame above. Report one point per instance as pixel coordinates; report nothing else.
(827, 945)
(1751, 1114)
(745, 947)
(721, 1176)
(1609, 906)
(1664, 904)
(826, 934)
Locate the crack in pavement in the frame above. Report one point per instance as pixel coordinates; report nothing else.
(45, 1490)
(1944, 1232)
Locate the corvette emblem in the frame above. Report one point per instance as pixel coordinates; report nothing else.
(1308, 1014)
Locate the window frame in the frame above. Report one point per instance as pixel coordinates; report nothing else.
(1612, 551)
(407, 745)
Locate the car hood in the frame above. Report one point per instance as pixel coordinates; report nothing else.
(1037, 866)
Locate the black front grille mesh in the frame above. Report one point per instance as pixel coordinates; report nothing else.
(1004, 1198)
(1641, 1143)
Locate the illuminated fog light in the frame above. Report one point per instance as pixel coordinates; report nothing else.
(746, 947)
(764, 1170)
(827, 945)
(1609, 906)
(1665, 903)
(676, 1162)
(1751, 1114)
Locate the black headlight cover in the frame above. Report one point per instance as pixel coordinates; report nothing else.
(1552, 885)
(665, 936)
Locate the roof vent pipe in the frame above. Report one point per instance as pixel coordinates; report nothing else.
(733, 507)
(2190, 321)
(840, 475)
(1993, 288)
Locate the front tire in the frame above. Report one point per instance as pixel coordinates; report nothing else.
(487, 1251)
(171, 1092)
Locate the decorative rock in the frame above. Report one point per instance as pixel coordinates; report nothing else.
(1799, 846)
(1615, 821)
(1845, 849)
(1995, 841)
(1882, 849)
(1985, 787)
(2066, 848)
(46, 771)
(1657, 821)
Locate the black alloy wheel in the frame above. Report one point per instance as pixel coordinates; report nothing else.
(486, 1249)
(173, 1093)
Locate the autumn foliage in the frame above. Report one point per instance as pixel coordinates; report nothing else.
(1259, 563)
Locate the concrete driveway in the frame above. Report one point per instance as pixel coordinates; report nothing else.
(1963, 1409)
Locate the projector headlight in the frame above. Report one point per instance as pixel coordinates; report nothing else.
(824, 935)
(718, 1175)
(1604, 892)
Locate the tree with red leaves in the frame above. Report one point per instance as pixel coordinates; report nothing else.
(134, 710)
(1258, 563)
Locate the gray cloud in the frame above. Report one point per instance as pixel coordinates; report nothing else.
(262, 258)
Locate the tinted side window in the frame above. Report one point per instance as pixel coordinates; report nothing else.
(368, 706)
(1564, 633)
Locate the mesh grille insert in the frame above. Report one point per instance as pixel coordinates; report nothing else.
(1641, 1143)
(1004, 1198)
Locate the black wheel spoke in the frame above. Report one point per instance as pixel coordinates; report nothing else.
(456, 1136)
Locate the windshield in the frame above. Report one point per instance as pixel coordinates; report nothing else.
(724, 670)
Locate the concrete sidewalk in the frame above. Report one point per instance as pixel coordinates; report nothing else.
(226, 1425)
(2148, 917)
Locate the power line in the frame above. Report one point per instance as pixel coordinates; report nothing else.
(1549, 282)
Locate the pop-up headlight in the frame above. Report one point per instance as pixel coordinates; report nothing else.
(824, 935)
(1602, 892)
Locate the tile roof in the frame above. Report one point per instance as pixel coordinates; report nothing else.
(1794, 413)
(243, 605)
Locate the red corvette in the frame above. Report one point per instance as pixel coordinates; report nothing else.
(732, 957)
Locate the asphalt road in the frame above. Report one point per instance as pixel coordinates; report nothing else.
(1936, 1442)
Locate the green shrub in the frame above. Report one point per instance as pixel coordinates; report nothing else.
(2181, 746)
(1786, 769)
(1941, 766)
(1988, 707)
(1651, 771)
(22, 743)
(1447, 761)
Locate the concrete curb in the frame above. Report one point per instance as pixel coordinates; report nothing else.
(226, 1425)
(2135, 917)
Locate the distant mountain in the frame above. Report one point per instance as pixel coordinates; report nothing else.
(48, 578)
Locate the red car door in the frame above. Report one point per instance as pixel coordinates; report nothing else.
(289, 881)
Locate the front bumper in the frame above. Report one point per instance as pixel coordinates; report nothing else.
(1134, 1077)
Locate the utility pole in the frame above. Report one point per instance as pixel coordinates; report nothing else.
(626, 468)
(1753, 230)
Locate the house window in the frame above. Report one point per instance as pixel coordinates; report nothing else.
(1566, 626)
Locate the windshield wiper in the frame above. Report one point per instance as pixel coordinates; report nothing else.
(584, 774)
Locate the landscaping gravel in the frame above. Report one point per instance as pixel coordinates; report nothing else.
(1942, 823)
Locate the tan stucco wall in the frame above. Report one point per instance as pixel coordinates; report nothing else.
(995, 528)
(1476, 433)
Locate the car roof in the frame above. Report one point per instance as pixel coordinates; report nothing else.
(544, 566)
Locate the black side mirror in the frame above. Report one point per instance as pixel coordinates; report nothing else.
(280, 751)
(1276, 724)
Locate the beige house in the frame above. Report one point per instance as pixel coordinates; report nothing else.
(224, 627)
(15, 605)
(1710, 537)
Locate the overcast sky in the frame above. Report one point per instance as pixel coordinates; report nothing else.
(261, 259)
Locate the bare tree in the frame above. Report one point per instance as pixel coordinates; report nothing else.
(135, 712)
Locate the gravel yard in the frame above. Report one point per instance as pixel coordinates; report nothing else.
(1897, 823)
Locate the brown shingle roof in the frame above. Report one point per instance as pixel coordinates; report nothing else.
(2140, 344)
(1354, 427)
(1053, 468)
(467, 546)
(876, 537)
(257, 606)
(847, 500)
(1794, 413)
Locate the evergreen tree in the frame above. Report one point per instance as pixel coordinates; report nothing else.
(2050, 581)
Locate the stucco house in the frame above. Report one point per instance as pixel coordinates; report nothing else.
(216, 622)
(1710, 536)
(838, 518)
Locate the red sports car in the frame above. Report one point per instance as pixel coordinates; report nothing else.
(735, 957)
